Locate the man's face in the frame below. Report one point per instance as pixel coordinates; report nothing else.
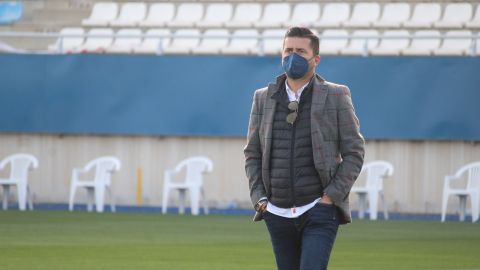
(301, 46)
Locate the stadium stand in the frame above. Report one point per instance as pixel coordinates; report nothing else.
(10, 12)
(339, 24)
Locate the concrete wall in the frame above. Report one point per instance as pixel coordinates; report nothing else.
(415, 187)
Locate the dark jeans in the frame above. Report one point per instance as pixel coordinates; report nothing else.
(304, 243)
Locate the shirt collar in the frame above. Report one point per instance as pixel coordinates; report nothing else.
(292, 96)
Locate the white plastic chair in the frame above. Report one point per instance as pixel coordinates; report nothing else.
(20, 165)
(187, 15)
(130, 14)
(475, 22)
(455, 16)
(304, 14)
(103, 168)
(159, 14)
(272, 41)
(244, 41)
(213, 40)
(68, 44)
(217, 15)
(98, 40)
(246, 14)
(472, 172)
(274, 15)
(152, 44)
(392, 46)
(102, 14)
(184, 40)
(376, 172)
(393, 15)
(332, 41)
(194, 168)
(364, 14)
(453, 44)
(333, 15)
(360, 46)
(425, 45)
(424, 15)
(126, 44)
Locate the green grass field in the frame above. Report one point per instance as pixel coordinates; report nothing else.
(61, 240)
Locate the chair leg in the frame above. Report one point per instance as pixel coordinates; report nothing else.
(6, 194)
(99, 198)
(475, 200)
(462, 207)
(166, 191)
(205, 205)
(90, 198)
(373, 204)
(195, 200)
(29, 199)
(385, 208)
(444, 206)
(112, 201)
(73, 188)
(22, 195)
(362, 205)
(181, 201)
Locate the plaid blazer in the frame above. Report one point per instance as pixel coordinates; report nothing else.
(338, 146)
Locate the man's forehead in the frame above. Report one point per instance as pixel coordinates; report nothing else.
(297, 42)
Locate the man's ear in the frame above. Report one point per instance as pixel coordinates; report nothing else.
(317, 59)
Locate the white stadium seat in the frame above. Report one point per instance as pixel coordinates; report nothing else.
(153, 43)
(455, 16)
(130, 14)
(187, 15)
(244, 41)
(102, 14)
(184, 40)
(333, 15)
(246, 14)
(363, 15)
(217, 15)
(423, 46)
(97, 44)
(159, 14)
(424, 15)
(126, 44)
(393, 15)
(274, 15)
(455, 46)
(213, 40)
(361, 46)
(304, 14)
(68, 44)
(392, 46)
(337, 41)
(475, 22)
(272, 41)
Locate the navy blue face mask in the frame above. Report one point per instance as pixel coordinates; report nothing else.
(295, 66)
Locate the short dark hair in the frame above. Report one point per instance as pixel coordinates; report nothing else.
(303, 32)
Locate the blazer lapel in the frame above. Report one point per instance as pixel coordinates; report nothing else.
(319, 96)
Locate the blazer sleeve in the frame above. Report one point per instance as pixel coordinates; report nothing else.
(253, 151)
(351, 146)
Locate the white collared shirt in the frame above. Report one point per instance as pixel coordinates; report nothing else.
(292, 96)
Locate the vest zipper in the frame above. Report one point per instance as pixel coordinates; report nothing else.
(292, 155)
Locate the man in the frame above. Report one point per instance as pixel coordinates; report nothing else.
(304, 152)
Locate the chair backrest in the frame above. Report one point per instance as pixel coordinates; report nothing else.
(397, 42)
(359, 43)
(426, 12)
(457, 12)
(104, 11)
(335, 12)
(20, 165)
(473, 174)
(214, 39)
(195, 168)
(377, 171)
(152, 42)
(161, 12)
(99, 41)
(189, 12)
(451, 42)
(305, 13)
(365, 12)
(186, 38)
(124, 41)
(426, 43)
(219, 12)
(133, 12)
(247, 12)
(70, 42)
(272, 43)
(239, 42)
(276, 13)
(333, 43)
(477, 14)
(104, 168)
(396, 12)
